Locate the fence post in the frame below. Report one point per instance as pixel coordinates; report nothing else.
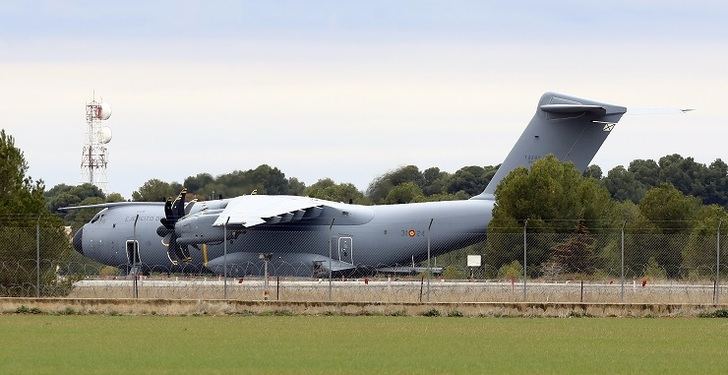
(331, 244)
(621, 292)
(525, 259)
(37, 257)
(429, 268)
(717, 264)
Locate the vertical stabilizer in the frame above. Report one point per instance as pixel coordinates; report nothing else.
(571, 128)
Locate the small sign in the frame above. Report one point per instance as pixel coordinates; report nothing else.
(473, 260)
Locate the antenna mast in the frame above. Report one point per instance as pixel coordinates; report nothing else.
(94, 155)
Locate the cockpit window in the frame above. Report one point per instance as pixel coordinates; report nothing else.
(98, 215)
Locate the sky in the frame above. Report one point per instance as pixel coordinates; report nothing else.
(350, 90)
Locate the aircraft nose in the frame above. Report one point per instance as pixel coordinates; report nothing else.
(78, 240)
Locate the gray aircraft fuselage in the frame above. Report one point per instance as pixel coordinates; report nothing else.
(360, 235)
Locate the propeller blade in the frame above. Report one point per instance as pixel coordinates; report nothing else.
(173, 211)
(166, 240)
(163, 231)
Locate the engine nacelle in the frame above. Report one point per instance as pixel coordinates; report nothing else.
(197, 229)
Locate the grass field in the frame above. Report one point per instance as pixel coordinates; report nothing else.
(336, 344)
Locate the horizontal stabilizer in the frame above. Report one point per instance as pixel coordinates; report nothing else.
(574, 108)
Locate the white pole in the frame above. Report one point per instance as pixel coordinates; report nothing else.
(224, 259)
(429, 268)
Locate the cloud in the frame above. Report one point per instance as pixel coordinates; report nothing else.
(332, 90)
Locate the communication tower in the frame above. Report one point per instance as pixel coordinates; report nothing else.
(95, 156)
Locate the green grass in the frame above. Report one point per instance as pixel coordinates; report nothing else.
(373, 344)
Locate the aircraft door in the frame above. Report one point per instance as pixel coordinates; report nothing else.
(132, 252)
(346, 250)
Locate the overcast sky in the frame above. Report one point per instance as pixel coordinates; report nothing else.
(350, 90)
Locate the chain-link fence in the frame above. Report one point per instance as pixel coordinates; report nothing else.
(582, 264)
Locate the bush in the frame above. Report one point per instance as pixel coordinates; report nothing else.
(720, 313)
(27, 310)
(511, 271)
(452, 272)
(398, 313)
(108, 271)
(431, 313)
(653, 271)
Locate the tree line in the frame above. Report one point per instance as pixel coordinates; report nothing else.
(574, 223)
(676, 200)
(408, 184)
(675, 197)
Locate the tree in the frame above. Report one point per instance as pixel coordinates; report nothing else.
(471, 179)
(576, 253)
(63, 195)
(593, 171)
(22, 210)
(115, 197)
(435, 181)
(622, 185)
(670, 216)
(156, 190)
(716, 184)
(647, 172)
(668, 209)
(699, 256)
(554, 197)
(197, 182)
(380, 188)
(264, 179)
(550, 190)
(683, 173)
(19, 194)
(296, 187)
(407, 192)
(329, 190)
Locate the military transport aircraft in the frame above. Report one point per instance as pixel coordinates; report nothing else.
(305, 236)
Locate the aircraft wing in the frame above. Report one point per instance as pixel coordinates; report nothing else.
(110, 205)
(252, 210)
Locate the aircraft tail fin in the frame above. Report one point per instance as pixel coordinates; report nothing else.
(570, 128)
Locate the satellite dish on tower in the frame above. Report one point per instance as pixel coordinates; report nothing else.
(104, 111)
(104, 135)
